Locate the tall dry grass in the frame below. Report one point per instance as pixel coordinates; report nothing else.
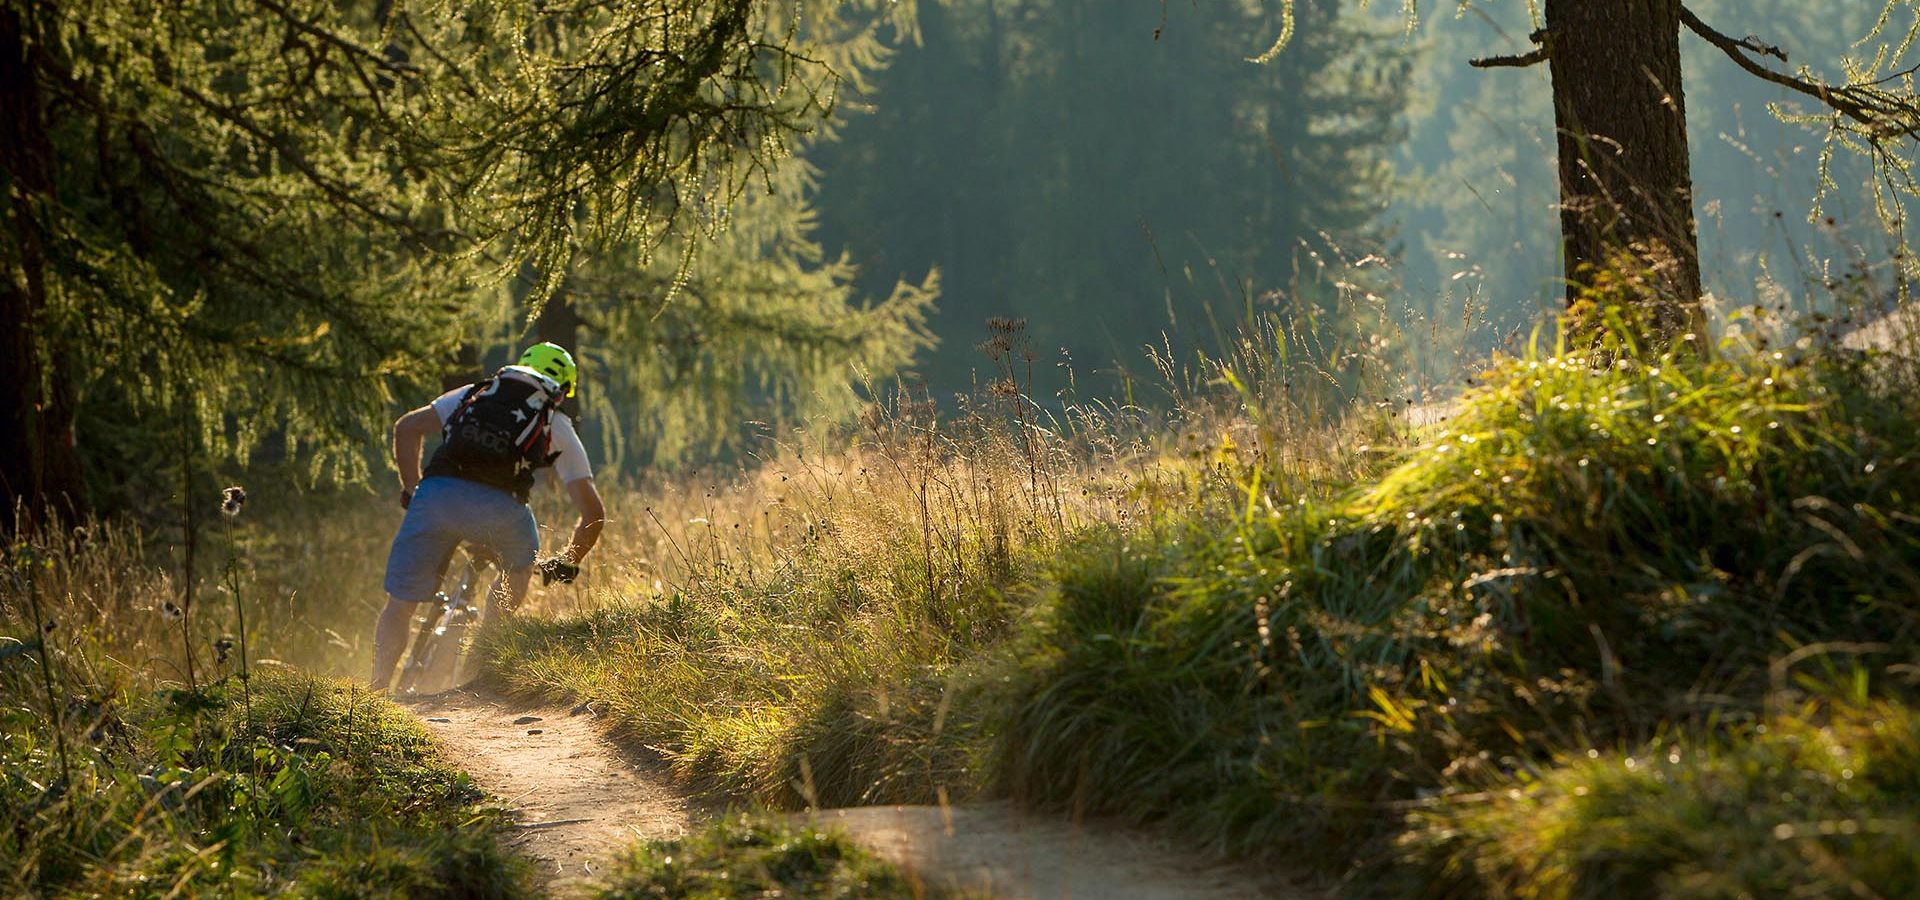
(1276, 614)
(795, 631)
(156, 743)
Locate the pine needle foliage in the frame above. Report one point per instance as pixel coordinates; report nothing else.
(258, 218)
(703, 342)
(761, 334)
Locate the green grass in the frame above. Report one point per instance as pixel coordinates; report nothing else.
(798, 701)
(327, 793)
(1585, 557)
(747, 856)
(136, 760)
(1818, 802)
(1601, 549)
(813, 663)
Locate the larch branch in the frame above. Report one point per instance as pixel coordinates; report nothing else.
(1883, 113)
(1535, 58)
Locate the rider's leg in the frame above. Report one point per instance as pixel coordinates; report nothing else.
(514, 539)
(390, 640)
(427, 538)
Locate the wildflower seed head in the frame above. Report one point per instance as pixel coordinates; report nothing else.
(231, 500)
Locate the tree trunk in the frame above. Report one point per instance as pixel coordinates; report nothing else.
(560, 323)
(466, 368)
(1625, 187)
(39, 469)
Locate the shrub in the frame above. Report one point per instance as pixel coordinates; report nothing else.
(1582, 554)
(1818, 802)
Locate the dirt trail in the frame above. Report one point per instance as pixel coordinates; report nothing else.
(995, 851)
(579, 798)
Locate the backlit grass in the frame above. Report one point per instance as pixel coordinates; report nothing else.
(1814, 802)
(329, 793)
(1586, 555)
(138, 758)
(1600, 547)
(745, 856)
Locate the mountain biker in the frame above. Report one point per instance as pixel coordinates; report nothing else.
(496, 433)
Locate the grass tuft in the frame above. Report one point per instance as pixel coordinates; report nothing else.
(1814, 803)
(746, 856)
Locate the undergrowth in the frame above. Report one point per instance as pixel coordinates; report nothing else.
(815, 674)
(798, 634)
(329, 793)
(1813, 801)
(1587, 554)
(1332, 655)
(141, 756)
(746, 856)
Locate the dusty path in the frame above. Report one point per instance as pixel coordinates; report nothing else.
(579, 798)
(995, 851)
(576, 796)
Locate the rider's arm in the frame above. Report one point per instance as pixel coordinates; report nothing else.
(586, 532)
(409, 436)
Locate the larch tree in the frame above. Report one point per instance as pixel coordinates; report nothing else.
(747, 326)
(1626, 186)
(235, 220)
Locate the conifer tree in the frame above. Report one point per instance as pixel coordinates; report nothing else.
(699, 345)
(237, 219)
(1481, 149)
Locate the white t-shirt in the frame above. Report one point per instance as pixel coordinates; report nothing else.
(569, 467)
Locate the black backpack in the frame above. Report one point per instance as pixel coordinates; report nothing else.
(501, 433)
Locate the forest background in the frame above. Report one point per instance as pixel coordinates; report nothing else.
(1123, 180)
(1121, 173)
(993, 400)
(1129, 184)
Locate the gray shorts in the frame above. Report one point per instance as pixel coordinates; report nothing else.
(446, 512)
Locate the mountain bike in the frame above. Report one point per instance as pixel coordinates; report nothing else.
(433, 663)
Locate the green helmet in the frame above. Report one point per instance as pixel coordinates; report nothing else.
(553, 361)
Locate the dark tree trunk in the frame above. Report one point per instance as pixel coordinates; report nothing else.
(39, 470)
(466, 368)
(560, 323)
(1625, 187)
